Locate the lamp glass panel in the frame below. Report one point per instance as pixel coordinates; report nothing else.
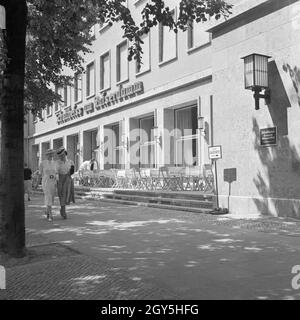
(249, 71)
(261, 71)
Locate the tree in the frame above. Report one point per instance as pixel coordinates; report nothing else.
(57, 36)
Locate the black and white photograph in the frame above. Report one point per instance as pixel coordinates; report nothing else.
(149, 153)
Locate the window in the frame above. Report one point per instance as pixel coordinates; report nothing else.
(103, 26)
(56, 104)
(197, 36)
(90, 79)
(59, 91)
(49, 111)
(137, 2)
(78, 87)
(92, 31)
(122, 62)
(167, 43)
(65, 96)
(117, 147)
(186, 136)
(147, 144)
(145, 65)
(105, 71)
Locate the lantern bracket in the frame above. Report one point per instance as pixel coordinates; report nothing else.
(257, 95)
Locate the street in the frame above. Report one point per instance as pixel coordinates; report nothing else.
(109, 251)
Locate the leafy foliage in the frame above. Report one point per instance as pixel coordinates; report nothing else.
(58, 36)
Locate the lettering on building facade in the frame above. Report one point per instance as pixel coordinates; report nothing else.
(89, 108)
(101, 102)
(63, 117)
(104, 101)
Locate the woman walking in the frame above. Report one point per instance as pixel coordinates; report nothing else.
(65, 184)
(48, 172)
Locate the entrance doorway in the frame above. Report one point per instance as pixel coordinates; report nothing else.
(147, 143)
(89, 144)
(186, 137)
(113, 154)
(57, 143)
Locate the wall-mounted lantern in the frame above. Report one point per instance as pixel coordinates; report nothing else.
(101, 146)
(200, 123)
(256, 77)
(124, 140)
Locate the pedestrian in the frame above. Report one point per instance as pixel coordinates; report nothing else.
(88, 169)
(48, 172)
(27, 181)
(65, 184)
(94, 163)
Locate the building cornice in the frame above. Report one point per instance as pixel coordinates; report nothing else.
(246, 12)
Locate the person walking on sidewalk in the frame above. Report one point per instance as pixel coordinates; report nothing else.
(65, 184)
(27, 181)
(48, 172)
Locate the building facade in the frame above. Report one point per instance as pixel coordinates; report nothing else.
(148, 115)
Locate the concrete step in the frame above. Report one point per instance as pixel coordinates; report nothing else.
(161, 200)
(156, 205)
(194, 195)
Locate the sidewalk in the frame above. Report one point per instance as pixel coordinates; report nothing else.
(107, 252)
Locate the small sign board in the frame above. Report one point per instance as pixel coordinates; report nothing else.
(230, 175)
(215, 152)
(268, 137)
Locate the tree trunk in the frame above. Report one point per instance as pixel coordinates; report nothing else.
(12, 211)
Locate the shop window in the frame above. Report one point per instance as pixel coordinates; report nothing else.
(90, 79)
(78, 87)
(122, 62)
(145, 64)
(197, 36)
(186, 139)
(116, 147)
(105, 71)
(147, 143)
(167, 43)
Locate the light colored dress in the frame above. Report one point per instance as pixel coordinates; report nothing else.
(65, 185)
(48, 171)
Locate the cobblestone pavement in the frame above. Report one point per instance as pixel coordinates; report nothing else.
(107, 251)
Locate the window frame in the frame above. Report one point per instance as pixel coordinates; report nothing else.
(190, 38)
(139, 73)
(102, 88)
(49, 111)
(118, 63)
(182, 138)
(76, 91)
(89, 95)
(161, 29)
